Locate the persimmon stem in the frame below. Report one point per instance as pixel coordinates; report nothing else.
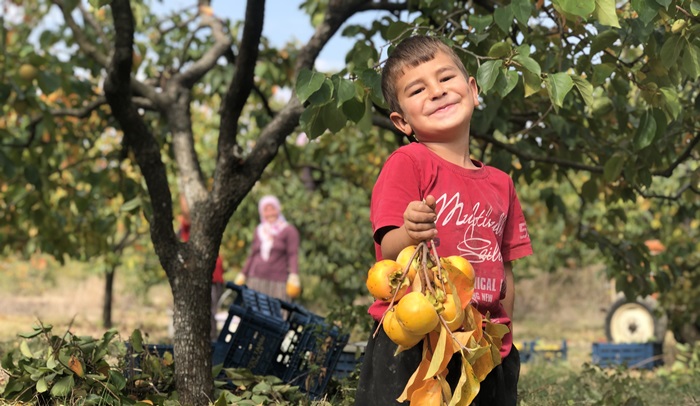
(439, 266)
(444, 325)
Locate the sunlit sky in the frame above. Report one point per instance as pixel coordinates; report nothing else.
(285, 22)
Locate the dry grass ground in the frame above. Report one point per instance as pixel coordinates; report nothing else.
(569, 305)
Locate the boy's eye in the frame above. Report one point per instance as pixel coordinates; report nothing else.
(415, 91)
(446, 78)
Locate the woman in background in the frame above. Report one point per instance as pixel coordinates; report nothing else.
(272, 265)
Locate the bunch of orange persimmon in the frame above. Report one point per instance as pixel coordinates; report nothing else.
(421, 291)
(428, 300)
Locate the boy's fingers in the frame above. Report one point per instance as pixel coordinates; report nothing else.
(430, 201)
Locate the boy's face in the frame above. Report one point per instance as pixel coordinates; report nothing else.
(436, 100)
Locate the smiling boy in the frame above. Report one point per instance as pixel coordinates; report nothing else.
(432, 189)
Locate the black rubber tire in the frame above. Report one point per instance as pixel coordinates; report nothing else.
(635, 322)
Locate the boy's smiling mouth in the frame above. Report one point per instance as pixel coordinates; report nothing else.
(442, 108)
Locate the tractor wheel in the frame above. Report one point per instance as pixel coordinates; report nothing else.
(634, 322)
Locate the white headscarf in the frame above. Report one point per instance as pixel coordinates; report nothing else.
(268, 230)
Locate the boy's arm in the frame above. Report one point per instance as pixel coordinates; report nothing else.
(509, 301)
(418, 225)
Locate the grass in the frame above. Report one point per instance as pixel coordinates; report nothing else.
(556, 384)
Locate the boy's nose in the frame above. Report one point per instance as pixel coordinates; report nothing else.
(437, 91)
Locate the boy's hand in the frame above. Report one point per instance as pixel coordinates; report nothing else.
(419, 219)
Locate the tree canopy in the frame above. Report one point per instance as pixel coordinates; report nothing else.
(112, 110)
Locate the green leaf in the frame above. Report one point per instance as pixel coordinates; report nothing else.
(322, 95)
(695, 7)
(373, 82)
(589, 190)
(602, 72)
(333, 118)
(500, 50)
(671, 50)
(581, 8)
(480, 22)
(532, 83)
(558, 86)
(606, 13)
(41, 385)
(117, 379)
(312, 122)
(503, 16)
(308, 82)
(131, 205)
(70, 5)
(136, 341)
(522, 10)
(613, 168)
(63, 386)
(664, 3)
(397, 30)
(24, 349)
(48, 82)
(584, 88)
(511, 81)
(604, 40)
(528, 63)
(488, 73)
(691, 61)
(671, 103)
(645, 132)
(646, 9)
(354, 109)
(345, 89)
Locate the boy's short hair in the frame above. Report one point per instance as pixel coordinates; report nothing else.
(412, 52)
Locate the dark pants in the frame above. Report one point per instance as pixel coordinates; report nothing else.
(383, 376)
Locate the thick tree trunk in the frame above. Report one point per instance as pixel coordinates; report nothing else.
(192, 346)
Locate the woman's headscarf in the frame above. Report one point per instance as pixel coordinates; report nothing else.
(268, 230)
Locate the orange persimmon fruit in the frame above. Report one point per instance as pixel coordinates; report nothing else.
(384, 277)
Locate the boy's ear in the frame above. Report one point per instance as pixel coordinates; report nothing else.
(400, 123)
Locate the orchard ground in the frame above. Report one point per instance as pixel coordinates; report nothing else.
(568, 305)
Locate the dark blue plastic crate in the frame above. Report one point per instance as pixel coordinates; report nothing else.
(252, 333)
(273, 337)
(637, 355)
(349, 359)
(309, 352)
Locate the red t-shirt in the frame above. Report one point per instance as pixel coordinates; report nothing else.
(478, 217)
(218, 275)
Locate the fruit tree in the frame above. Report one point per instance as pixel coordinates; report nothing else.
(599, 97)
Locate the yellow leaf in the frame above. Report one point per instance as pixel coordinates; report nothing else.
(473, 321)
(467, 387)
(429, 394)
(496, 330)
(485, 363)
(416, 380)
(440, 356)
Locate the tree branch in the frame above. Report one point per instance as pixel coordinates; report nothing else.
(83, 42)
(222, 43)
(137, 135)
(242, 82)
(78, 113)
(681, 158)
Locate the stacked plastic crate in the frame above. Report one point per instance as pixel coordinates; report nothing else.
(273, 337)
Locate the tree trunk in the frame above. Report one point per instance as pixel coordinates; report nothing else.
(192, 346)
(107, 304)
